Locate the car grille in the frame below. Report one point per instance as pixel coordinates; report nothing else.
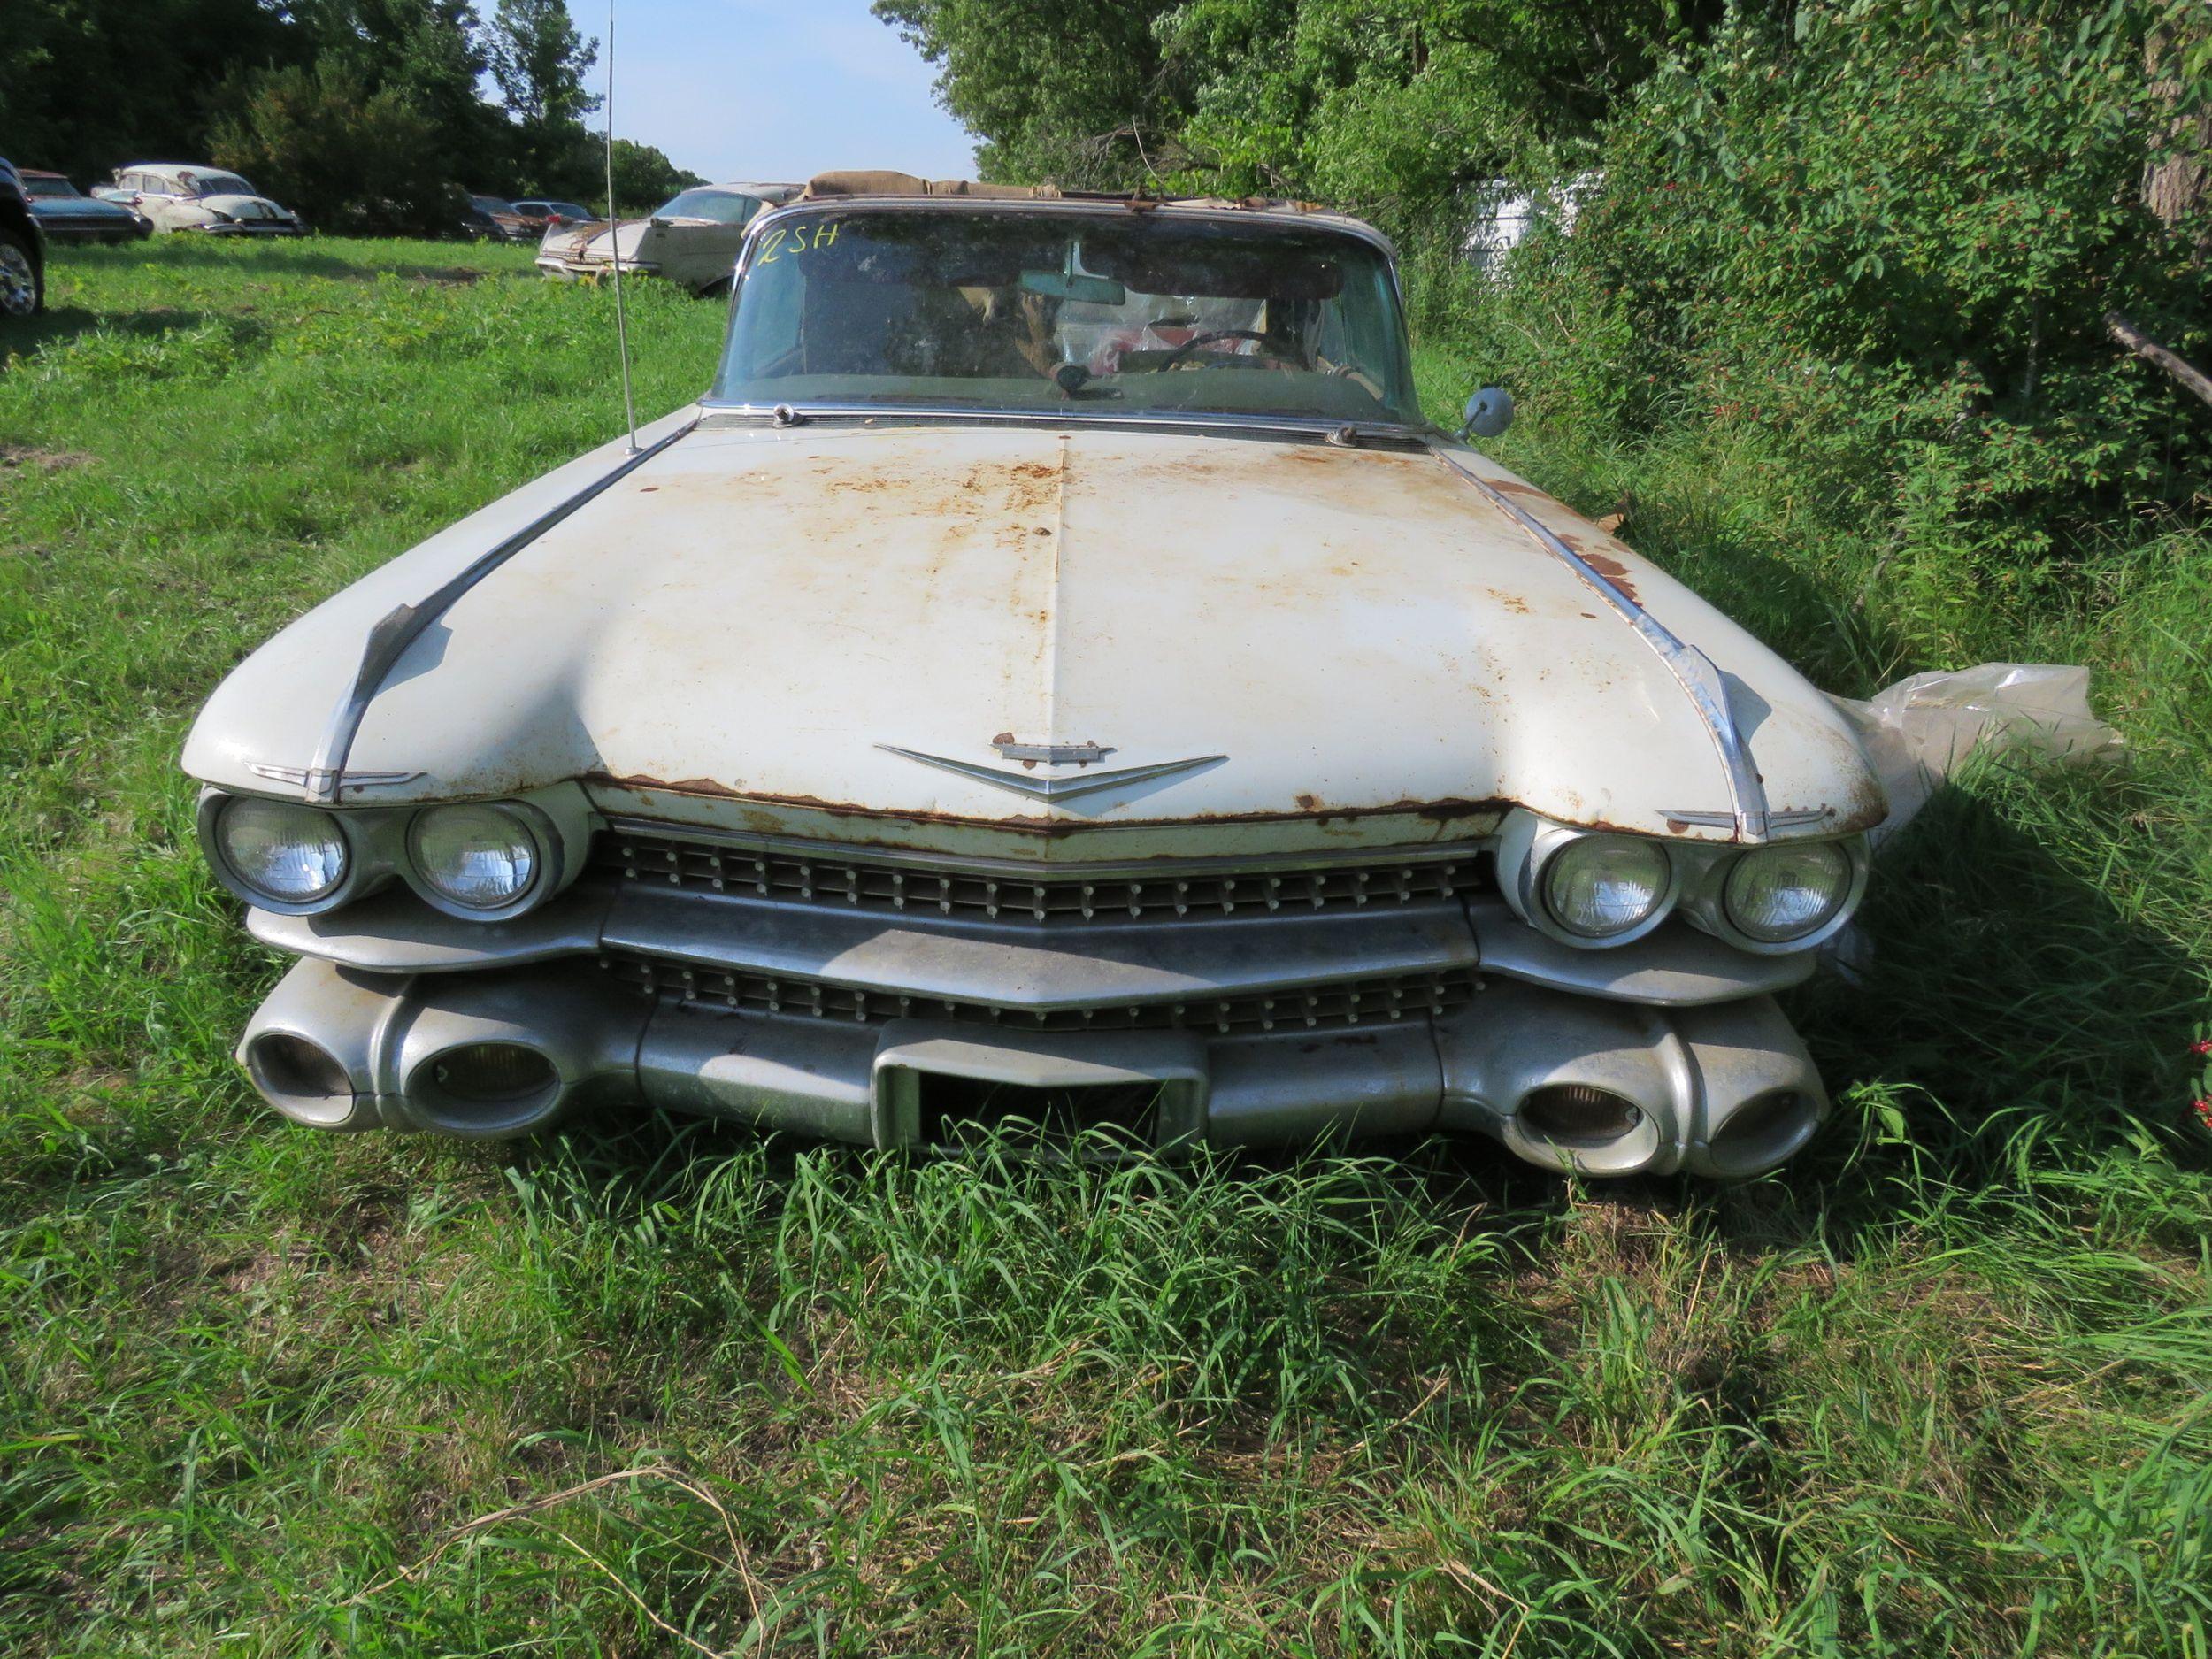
(1193, 893)
(1358, 1003)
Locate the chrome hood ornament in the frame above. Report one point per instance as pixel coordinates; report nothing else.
(1050, 788)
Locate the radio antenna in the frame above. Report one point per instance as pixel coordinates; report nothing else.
(614, 238)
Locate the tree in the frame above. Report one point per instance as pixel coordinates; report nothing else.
(643, 177)
(76, 92)
(538, 60)
(1080, 96)
(349, 157)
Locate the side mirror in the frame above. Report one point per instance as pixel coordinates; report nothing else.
(1489, 413)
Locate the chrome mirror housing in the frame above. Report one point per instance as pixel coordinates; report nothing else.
(1489, 413)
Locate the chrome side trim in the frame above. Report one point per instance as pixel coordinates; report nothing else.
(721, 416)
(297, 777)
(1691, 669)
(400, 626)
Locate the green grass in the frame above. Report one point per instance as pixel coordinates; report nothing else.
(1945, 1387)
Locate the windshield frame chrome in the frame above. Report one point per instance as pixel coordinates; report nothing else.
(1102, 207)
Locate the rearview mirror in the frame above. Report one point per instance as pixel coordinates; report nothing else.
(1489, 412)
(1088, 291)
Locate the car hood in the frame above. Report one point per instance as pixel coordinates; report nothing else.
(79, 207)
(240, 206)
(597, 243)
(1355, 644)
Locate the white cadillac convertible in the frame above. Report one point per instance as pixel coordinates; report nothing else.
(1054, 679)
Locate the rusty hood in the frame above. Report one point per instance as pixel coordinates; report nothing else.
(1354, 645)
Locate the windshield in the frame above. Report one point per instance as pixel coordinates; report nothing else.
(215, 184)
(49, 186)
(492, 205)
(1112, 315)
(724, 207)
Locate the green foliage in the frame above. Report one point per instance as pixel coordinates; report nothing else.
(1068, 94)
(89, 85)
(1893, 232)
(365, 115)
(538, 60)
(643, 176)
(349, 157)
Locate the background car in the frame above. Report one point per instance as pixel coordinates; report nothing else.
(22, 250)
(692, 238)
(541, 216)
(182, 195)
(67, 214)
(494, 219)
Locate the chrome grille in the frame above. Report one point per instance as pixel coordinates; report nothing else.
(1356, 1003)
(879, 885)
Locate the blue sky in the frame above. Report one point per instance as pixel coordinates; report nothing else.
(762, 89)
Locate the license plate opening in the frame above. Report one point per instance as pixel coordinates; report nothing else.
(953, 1111)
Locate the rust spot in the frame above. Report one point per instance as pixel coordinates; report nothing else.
(1444, 811)
(1606, 566)
(1004, 737)
(1311, 802)
(1042, 529)
(647, 489)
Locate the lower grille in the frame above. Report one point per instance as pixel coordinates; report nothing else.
(1355, 1002)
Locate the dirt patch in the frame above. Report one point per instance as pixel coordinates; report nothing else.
(17, 457)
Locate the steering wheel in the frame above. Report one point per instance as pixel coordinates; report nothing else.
(1282, 348)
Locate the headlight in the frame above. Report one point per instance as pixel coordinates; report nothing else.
(293, 854)
(1778, 894)
(480, 858)
(1598, 885)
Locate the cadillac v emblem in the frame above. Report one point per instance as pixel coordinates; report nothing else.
(1041, 787)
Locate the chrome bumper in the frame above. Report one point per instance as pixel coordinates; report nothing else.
(1681, 1026)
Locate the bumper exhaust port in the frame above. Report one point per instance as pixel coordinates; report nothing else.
(484, 1088)
(300, 1078)
(1579, 1115)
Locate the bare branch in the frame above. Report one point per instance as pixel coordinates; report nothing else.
(2140, 343)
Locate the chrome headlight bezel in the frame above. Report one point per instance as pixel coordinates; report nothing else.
(362, 872)
(1706, 904)
(1526, 843)
(548, 875)
(1526, 846)
(559, 817)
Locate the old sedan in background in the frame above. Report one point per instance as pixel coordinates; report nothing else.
(949, 721)
(543, 216)
(492, 218)
(693, 240)
(182, 197)
(66, 214)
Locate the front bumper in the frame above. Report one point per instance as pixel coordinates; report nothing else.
(254, 227)
(1442, 1014)
(591, 270)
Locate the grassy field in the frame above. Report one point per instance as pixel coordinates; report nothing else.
(1945, 1388)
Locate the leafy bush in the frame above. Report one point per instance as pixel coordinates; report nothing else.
(1893, 233)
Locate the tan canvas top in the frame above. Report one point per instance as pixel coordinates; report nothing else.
(873, 181)
(868, 181)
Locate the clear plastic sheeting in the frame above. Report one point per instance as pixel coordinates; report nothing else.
(1919, 730)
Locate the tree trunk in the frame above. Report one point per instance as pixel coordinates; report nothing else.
(2174, 187)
